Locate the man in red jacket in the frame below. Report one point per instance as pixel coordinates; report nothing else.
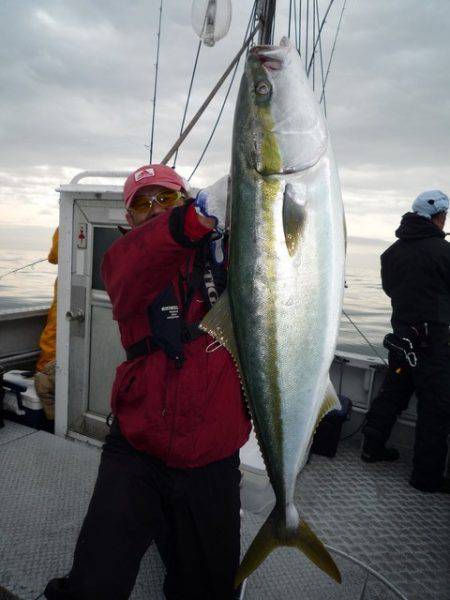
(170, 465)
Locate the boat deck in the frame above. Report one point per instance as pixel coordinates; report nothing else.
(367, 511)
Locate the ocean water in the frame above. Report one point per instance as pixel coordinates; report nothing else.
(364, 300)
(32, 286)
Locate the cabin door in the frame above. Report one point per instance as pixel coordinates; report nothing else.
(94, 348)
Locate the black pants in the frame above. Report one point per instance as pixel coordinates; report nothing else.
(430, 380)
(192, 513)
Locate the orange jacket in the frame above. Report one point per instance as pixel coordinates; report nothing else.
(47, 341)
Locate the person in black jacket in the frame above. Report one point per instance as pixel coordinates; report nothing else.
(415, 273)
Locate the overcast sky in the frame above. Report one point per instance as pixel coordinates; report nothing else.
(76, 82)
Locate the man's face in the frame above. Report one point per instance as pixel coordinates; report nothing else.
(439, 220)
(150, 202)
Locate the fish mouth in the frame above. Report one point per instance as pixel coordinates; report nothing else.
(271, 62)
(273, 58)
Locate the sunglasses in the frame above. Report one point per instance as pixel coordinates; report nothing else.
(165, 199)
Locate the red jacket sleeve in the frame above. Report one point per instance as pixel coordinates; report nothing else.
(140, 265)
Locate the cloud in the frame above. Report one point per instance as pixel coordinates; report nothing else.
(77, 78)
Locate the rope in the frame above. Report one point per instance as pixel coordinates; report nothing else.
(332, 50)
(365, 338)
(188, 98)
(155, 89)
(203, 107)
(24, 267)
(252, 16)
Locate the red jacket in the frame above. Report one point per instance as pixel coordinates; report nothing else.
(186, 417)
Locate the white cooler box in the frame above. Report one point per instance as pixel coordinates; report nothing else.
(21, 403)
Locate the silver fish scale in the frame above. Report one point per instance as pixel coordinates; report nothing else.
(368, 511)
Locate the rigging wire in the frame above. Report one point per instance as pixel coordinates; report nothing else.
(295, 25)
(211, 95)
(215, 124)
(375, 351)
(188, 98)
(307, 35)
(155, 89)
(316, 41)
(249, 27)
(254, 19)
(24, 267)
(332, 50)
(299, 44)
(314, 45)
(272, 33)
(289, 20)
(321, 58)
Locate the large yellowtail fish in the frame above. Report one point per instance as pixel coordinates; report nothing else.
(280, 315)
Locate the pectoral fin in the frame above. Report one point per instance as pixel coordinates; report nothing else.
(294, 216)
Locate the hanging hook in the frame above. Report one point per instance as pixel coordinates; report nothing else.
(213, 346)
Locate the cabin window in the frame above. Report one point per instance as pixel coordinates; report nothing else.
(103, 238)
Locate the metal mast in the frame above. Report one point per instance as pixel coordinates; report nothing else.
(266, 12)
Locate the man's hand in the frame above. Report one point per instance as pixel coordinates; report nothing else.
(210, 222)
(211, 204)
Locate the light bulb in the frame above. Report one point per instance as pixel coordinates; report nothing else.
(211, 19)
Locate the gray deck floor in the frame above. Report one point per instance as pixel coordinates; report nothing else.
(368, 511)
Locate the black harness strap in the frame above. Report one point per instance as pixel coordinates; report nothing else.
(167, 321)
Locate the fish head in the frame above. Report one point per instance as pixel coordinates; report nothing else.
(288, 131)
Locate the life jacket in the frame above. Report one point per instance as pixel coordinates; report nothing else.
(189, 416)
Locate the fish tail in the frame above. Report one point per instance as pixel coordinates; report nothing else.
(274, 534)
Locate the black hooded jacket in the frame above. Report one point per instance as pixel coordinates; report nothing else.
(415, 272)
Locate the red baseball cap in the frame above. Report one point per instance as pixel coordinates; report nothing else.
(151, 175)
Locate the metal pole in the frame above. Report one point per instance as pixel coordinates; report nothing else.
(156, 81)
(202, 108)
(267, 16)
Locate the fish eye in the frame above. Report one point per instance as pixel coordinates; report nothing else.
(263, 88)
